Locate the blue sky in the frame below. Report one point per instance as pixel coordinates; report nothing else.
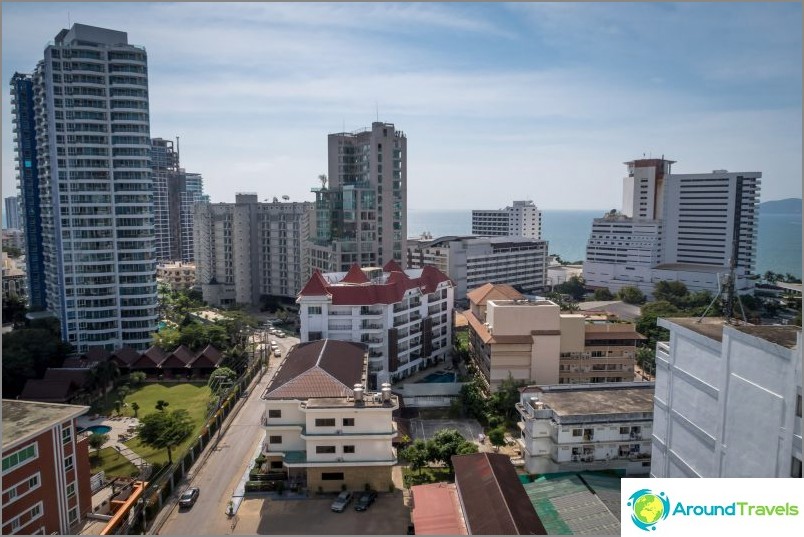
(539, 101)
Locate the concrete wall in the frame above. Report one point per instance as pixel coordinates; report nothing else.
(355, 478)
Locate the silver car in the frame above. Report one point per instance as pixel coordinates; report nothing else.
(341, 501)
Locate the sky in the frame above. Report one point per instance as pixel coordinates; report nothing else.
(540, 101)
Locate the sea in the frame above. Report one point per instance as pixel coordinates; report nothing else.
(778, 238)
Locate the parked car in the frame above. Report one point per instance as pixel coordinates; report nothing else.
(274, 343)
(188, 497)
(341, 501)
(272, 331)
(365, 500)
(280, 333)
(277, 353)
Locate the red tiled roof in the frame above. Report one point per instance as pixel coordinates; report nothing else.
(436, 510)
(389, 292)
(181, 357)
(355, 275)
(392, 266)
(208, 358)
(149, 359)
(316, 286)
(125, 356)
(489, 291)
(493, 499)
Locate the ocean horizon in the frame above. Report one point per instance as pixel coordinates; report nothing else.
(778, 237)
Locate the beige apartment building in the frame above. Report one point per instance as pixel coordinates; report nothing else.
(177, 275)
(532, 341)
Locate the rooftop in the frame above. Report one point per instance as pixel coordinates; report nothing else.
(25, 419)
(712, 327)
(580, 399)
(436, 510)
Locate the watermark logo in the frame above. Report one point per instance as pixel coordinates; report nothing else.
(648, 508)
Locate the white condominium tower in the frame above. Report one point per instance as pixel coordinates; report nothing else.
(684, 227)
(524, 219)
(361, 213)
(92, 139)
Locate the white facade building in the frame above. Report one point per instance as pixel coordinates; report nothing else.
(728, 400)
(571, 428)
(676, 227)
(323, 428)
(523, 219)
(473, 261)
(405, 317)
(12, 213)
(247, 249)
(96, 192)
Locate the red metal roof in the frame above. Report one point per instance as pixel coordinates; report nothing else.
(436, 510)
(390, 292)
(355, 275)
(392, 266)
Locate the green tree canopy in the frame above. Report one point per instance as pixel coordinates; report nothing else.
(497, 437)
(603, 294)
(574, 287)
(417, 455)
(631, 295)
(96, 441)
(444, 444)
(27, 353)
(165, 430)
(221, 379)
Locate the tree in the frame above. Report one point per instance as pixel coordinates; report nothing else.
(123, 392)
(497, 437)
(417, 455)
(165, 430)
(467, 448)
(161, 405)
(631, 295)
(167, 338)
(221, 379)
(670, 291)
(771, 277)
(646, 322)
(12, 251)
(603, 294)
(27, 353)
(14, 310)
(102, 375)
(135, 407)
(136, 378)
(444, 444)
(503, 401)
(574, 286)
(118, 404)
(96, 441)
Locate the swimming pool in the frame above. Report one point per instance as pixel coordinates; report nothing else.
(99, 429)
(438, 377)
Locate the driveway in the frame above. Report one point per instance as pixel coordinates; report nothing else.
(262, 516)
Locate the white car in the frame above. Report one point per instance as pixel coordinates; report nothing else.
(277, 353)
(274, 343)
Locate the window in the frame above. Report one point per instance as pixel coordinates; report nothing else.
(274, 439)
(331, 476)
(348, 422)
(19, 457)
(624, 430)
(274, 413)
(68, 463)
(325, 422)
(71, 490)
(798, 405)
(325, 449)
(348, 449)
(577, 432)
(73, 515)
(276, 465)
(314, 310)
(66, 435)
(33, 482)
(12, 493)
(795, 470)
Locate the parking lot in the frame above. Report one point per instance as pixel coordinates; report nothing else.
(424, 429)
(387, 516)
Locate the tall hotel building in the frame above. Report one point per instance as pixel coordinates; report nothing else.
(12, 212)
(361, 213)
(89, 152)
(247, 249)
(524, 219)
(175, 193)
(685, 227)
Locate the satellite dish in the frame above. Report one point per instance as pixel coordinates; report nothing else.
(286, 197)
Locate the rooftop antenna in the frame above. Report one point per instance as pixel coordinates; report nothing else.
(69, 22)
(377, 106)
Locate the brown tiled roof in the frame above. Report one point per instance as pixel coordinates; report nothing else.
(208, 358)
(326, 368)
(78, 377)
(390, 292)
(125, 356)
(355, 275)
(494, 501)
(613, 335)
(149, 359)
(96, 354)
(48, 391)
(490, 291)
(181, 357)
(436, 510)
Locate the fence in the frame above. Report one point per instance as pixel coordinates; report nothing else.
(164, 481)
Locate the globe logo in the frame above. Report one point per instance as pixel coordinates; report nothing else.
(648, 508)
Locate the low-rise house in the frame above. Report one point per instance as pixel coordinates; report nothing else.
(324, 431)
(586, 427)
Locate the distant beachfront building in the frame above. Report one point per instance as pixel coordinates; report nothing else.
(684, 227)
(405, 317)
(728, 400)
(473, 261)
(587, 427)
(361, 209)
(523, 219)
(248, 249)
(12, 212)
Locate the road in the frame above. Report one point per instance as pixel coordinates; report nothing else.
(223, 469)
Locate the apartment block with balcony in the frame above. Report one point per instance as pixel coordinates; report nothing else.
(586, 427)
(324, 429)
(405, 317)
(523, 219)
(728, 400)
(177, 275)
(532, 341)
(46, 473)
(473, 261)
(247, 249)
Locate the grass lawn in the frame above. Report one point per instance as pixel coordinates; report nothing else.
(112, 463)
(426, 475)
(190, 397)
